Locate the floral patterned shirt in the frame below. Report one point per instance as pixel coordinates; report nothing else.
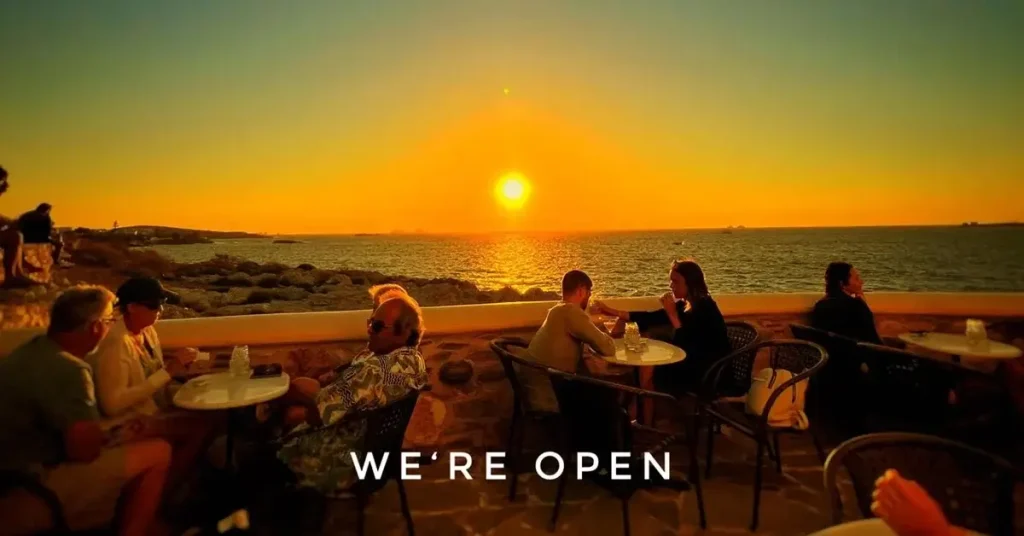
(320, 459)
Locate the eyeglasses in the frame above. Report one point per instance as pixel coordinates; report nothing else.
(375, 326)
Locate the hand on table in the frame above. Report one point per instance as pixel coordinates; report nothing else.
(906, 507)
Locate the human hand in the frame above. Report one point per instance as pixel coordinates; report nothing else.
(598, 307)
(187, 355)
(906, 507)
(668, 302)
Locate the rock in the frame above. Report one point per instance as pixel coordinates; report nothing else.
(456, 372)
(249, 267)
(290, 294)
(237, 279)
(268, 281)
(490, 373)
(305, 267)
(297, 279)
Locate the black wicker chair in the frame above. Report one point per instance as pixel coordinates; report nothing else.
(13, 480)
(838, 389)
(620, 438)
(904, 392)
(385, 432)
(522, 410)
(803, 360)
(974, 488)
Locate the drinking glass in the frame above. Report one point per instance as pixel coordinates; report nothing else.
(975, 332)
(239, 364)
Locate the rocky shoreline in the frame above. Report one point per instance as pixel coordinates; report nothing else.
(224, 285)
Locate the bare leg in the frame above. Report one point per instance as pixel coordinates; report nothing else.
(11, 242)
(647, 382)
(146, 464)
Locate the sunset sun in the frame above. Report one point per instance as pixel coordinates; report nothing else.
(512, 191)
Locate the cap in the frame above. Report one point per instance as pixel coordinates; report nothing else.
(144, 290)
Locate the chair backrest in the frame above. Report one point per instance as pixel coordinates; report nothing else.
(385, 431)
(900, 381)
(974, 488)
(590, 409)
(503, 348)
(731, 375)
(837, 385)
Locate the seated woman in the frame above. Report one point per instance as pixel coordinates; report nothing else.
(696, 323)
(843, 310)
(390, 368)
(132, 383)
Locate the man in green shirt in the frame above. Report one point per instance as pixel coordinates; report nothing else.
(51, 426)
(559, 341)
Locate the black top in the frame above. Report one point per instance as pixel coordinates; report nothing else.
(845, 315)
(36, 227)
(702, 335)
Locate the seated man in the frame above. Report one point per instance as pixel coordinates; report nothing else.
(390, 368)
(843, 310)
(51, 426)
(559, 341)
(36, 227)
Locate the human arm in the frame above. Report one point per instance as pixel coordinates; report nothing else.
(908, 509)
(359, 384)
(582, 328)
(70, 407)
(116, 395)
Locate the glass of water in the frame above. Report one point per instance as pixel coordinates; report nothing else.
(239, 364)
(975, 333)
(631, 338)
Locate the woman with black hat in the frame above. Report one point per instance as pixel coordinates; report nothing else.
(132, 383)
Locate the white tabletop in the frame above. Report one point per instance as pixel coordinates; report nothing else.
(862, 527)
(657, 353)
(953, 344)
(224, 391)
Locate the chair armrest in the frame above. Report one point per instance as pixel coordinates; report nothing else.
(610, 385)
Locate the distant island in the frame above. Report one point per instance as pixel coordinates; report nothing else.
(997, 224)
(286, 241)
(155, 235)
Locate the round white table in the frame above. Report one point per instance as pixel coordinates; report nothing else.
(656, 353)
(861, 527)
(223, 391)
(958, 346)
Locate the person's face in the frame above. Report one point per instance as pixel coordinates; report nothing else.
(100, 327)
(678, 285)
(380, 328)
(583, 294)
(855, 285)
(145, 314)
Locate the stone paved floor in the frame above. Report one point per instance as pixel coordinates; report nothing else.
(792, 503)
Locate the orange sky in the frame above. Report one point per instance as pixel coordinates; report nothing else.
(342, 119)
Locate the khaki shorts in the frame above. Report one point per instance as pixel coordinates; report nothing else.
(88, 493)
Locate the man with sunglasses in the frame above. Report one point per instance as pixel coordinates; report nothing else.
(390, 368)
(52, 429)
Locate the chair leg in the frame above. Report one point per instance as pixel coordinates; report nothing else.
(361, 513)
(558, 500)
(694, 478)
(711, 447)
(514, 432)
(778, 453)
(818, 446)
(405, 507)
(625, 516)
(761, 444)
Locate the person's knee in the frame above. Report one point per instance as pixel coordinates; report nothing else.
(148, 455)
(306, 386)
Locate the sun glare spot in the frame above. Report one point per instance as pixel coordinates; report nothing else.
(512, 191)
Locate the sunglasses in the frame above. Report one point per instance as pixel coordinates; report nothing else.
(375, 326)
